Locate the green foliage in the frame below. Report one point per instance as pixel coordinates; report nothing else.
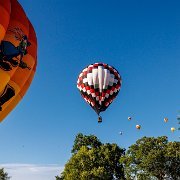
(90, 141)
(152, 158)
(149, 158)
(3, 175)
(58, 178)
(173, 159)
(92, 159)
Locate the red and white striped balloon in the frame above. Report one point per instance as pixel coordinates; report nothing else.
(99, 84)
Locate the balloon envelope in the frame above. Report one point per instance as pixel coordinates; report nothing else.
(99, 84)
(18, 55)
(165, 119)
(138, 126)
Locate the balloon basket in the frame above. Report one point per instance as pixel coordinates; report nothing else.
(99, 119)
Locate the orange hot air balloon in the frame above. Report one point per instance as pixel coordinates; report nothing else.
(18, 55)
(138, 127)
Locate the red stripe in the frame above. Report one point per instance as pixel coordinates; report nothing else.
(113, 88)
(84, 73)
(103, 94)
(116, 74)
(89, 69)
(117, 86)
(87, 88)
(97, 93)
(108, 91)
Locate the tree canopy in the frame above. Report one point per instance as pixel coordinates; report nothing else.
(3, 175)
(149, 158)
(91, 159)
(152, 158)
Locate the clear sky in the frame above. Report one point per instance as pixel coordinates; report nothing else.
(141, 39)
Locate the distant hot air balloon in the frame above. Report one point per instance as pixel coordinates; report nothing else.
(18, 55)
(138, 126)
(165, 119)
(129, 118)
(173, 129)
(99, 84)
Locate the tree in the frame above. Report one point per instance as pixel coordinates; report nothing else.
(92, 159)
(152, 158)
(3, 175)
(172, 157)
(58, 178)
(90, 141)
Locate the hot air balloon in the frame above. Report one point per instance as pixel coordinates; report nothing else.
(129, 118)
(173, 129)
(138, 126)
(165, 120)
(18, 55)
(99, 84)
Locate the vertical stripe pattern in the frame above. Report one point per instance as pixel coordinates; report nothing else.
(99, 84)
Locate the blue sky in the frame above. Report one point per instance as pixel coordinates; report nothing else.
(140, 39)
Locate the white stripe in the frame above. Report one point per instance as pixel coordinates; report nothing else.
(100, 77)
(85, 80)
(90, 79)
(81, 74)
(107, 77)
(95, 75)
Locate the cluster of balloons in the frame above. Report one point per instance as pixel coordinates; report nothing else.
(99, 84)
(172, 128)
(18, 55)
(138, 127)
